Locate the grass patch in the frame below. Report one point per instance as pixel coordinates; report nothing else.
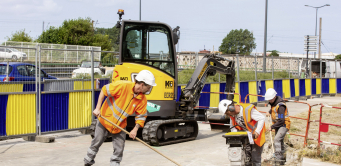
(185, 75)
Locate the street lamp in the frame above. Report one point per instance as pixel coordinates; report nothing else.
(316, 20)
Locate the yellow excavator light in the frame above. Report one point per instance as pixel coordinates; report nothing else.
(120, 11)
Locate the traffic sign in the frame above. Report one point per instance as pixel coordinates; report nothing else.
(310, 43)
(311, 37)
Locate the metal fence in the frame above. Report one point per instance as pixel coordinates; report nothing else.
(250, 68)
(49, 91)
(74, 55)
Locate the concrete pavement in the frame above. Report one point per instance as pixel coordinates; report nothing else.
(69, 148)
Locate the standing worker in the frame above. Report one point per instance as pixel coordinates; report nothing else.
(247, 118)
(123, 99)
(280, 122)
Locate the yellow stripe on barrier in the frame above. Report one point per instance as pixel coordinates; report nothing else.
(318, 86)
(297, 87)
(269, 84)
(286, 88)
(307, 87)
(79, 109)
(214, 98)
(236, 97)
(21, 114)
(11, 87)
(87, 85)
(78, 85)
(332, 85)
(253, 90)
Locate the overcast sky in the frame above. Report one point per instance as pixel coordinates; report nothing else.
(202, 23)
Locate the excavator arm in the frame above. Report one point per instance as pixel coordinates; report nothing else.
(208, 66)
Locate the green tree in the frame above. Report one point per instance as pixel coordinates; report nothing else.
(77, 32)
(113, 34)
(20, 36)
(238, 41)
(338, 56)
(274, 53)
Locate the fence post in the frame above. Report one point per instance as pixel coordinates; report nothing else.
(318, 140)
(256, 67)
(310, 70)
(36, 90)
(335, 70)
(298, 68)
(77, 53)
(51, 51)
(7, 71)
(238, 68)
(28, 54)
(92, 84)
(273, 68)
(289, 66)
(39, 92)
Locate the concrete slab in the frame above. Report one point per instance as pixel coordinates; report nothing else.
(44, 139)
(41, 138)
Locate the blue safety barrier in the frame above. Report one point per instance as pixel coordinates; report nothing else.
(54, 111)
(205, 97)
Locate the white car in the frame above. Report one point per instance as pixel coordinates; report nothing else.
(85, 69)
(11, 53)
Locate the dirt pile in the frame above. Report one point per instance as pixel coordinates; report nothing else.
(293, 156)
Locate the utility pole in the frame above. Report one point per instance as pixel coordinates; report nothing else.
(140, 10)
(320, 38)
(43, 30)
(265, 35)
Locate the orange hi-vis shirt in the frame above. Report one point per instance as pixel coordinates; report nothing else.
(121, 103)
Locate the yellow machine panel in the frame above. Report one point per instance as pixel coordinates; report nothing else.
(165, 83)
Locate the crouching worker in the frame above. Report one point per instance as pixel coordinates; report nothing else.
(280, 121)
(123, 99)
(246, 117)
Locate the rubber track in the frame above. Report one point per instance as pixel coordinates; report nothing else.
(149, 133)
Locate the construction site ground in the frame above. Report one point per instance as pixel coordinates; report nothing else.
(69, 148)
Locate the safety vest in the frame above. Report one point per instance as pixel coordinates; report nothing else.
(274, 115)
(250, 124)
(120, 104)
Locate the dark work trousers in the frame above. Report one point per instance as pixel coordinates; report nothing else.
(279, 142)
(118, 141)
(254, 152)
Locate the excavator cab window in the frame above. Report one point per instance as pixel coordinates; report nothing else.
(148, 44)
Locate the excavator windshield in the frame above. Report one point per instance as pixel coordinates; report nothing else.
(148, 44)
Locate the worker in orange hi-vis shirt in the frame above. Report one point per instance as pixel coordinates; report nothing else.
(124, 98)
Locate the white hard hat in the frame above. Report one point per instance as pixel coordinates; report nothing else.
(223, 105)
(270, 94)
(147, 77)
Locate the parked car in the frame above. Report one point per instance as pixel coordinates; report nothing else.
(11, 53)
(85, 69)
(20, 72)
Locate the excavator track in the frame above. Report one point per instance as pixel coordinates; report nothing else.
(164, 132)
